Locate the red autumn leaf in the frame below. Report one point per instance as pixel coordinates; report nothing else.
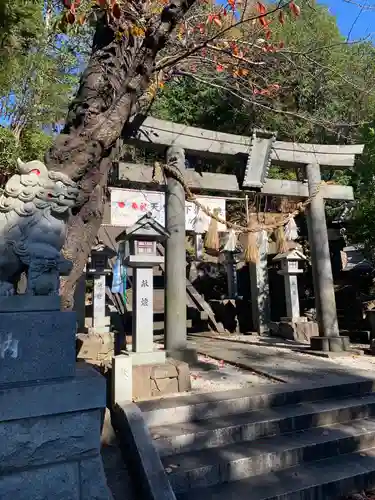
(210, 18)
(78, 3)
(224, 12)
(67, 3)
(295, 9)
(256, 92)
(217, 21)
(281, 17)
(101, 3)
(268, 34)
(261, 8)
(220, 68)
(263, 22)
(116, 11)
(281, 45)
(70, 17)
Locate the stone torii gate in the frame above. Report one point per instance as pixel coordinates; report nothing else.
(261, 150)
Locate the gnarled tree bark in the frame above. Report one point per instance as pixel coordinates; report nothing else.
(111, 89)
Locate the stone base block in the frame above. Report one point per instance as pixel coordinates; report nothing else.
(122, 379)
(147, 381)
(50, 439)
(95, 347)
(330, 344)
(36, 345)
(158, 380)
(147, 358)
(30, 303)
(302, 331)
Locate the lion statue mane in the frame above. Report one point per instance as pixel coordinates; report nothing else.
(34, 209)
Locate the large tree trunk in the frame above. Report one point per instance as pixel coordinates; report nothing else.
(110, 93)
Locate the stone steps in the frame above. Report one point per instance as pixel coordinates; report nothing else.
(244, 459)
(282, 441)
(190, 436)
(328, 479)
(195, 407)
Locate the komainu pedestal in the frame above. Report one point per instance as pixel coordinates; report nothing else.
(50, 408)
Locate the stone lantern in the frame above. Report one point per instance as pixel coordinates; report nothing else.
(289, 268)
(293, 326)
(98, 267)
(230, 252)
(142, 256)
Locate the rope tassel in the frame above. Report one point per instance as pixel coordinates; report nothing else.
(211, 240)
(251, 254)
(281, 242)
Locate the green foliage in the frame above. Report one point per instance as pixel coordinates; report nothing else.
(31, 146)
(38, 75)
(20, 24)
(361, 226)
(8, 150)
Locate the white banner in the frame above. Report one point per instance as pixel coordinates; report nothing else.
(129, 205)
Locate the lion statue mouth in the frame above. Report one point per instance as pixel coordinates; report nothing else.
(34, 209)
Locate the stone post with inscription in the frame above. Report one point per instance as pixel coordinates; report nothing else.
(99, 269)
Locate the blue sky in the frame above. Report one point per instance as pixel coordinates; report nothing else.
(347, 13)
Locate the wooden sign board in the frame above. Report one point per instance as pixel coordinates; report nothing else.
(129, 205)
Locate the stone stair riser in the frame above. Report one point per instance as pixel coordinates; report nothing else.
(329, 479)
(250, 431)
(333, 490)
(233, 470)
(242, 403)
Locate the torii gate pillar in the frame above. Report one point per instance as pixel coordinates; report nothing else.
(329, 337)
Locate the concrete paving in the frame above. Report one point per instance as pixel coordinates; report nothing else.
(279, 360)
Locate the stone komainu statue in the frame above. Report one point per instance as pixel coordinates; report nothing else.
(34, 209)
